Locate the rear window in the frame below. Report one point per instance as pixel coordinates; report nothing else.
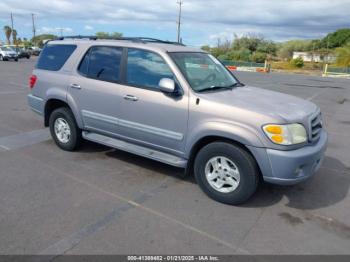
(53, 57)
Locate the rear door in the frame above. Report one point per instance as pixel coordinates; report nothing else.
(96, 90)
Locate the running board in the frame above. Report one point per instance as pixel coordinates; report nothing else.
(135, 149)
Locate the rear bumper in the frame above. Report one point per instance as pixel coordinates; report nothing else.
(291, 167)
(36, 104)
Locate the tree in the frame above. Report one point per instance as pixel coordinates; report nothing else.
(39, 39)
(343, 55)
(116, 34)
(8, 32)
(258, 57)
(205, 48)
(286, 49)
(102, 34)
(336, 39)
(107, 34)
(14, 36)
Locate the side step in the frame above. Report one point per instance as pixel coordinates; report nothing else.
(135, 149)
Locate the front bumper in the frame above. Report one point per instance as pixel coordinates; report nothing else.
(10, 57)
(291, 167)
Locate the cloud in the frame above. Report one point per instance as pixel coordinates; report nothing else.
(54, 30)
(88, 27)
(202, 20)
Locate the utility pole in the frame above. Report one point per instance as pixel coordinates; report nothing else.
(33, 23)
(61, 30)
(12, 28)
(180, 3)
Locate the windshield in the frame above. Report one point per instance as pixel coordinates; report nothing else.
(6, 48)
(203, 71)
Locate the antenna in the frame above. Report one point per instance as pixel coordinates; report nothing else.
(180, 3)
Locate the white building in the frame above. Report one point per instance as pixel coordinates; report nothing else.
(314, 57)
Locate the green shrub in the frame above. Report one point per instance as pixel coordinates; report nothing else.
(258, 57)
(297, 62)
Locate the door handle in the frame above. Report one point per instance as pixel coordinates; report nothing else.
(131, 98)
(75, 86)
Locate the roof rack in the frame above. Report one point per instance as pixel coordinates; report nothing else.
(133, 39)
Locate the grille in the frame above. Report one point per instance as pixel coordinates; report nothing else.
(316, 127)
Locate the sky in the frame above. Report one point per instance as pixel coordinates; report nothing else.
(203, 21)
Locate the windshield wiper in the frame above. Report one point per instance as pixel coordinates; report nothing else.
(212, 88)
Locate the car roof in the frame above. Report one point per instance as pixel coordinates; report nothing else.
(154, 46)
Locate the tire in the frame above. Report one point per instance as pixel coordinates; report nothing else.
(61, 118)
(242, 184)
(16, 59)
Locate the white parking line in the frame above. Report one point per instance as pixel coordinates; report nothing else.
(24, 139)
(140, 206)
(4, 147)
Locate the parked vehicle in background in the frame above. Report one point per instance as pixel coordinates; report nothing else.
(35, 51)
(21, 52)
(180, 106)
(7, 53)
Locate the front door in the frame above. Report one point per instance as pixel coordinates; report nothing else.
(149, 116)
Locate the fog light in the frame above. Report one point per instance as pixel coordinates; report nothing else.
(298, 171)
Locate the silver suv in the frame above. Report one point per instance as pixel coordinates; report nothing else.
(7, 53)
(177, 105)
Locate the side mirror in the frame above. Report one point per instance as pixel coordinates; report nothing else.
(167, 85)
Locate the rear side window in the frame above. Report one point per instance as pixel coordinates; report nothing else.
(102, 63)
(53, 57)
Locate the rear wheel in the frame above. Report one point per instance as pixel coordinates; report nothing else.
(64, 130)
(226, 172)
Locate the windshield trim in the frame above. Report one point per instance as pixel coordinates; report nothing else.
(239, 83)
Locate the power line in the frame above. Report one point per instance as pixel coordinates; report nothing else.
(180, 3)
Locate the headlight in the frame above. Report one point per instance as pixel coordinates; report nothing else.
(286, 134)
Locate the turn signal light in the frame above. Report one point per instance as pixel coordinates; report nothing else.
(274, 129)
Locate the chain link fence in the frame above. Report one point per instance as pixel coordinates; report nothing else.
(334, 71)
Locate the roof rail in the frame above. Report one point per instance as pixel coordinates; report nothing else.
(133, 39)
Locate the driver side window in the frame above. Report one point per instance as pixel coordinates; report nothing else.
(146, 69)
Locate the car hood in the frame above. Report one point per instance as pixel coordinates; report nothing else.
(9, 52)
(268, 103)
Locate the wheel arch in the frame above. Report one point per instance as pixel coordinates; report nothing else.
(51, 105)
(203, 141)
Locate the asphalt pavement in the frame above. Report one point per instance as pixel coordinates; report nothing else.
(103, 201)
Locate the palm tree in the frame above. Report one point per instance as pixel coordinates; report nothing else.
(14, 37)
(8, 32)
(343, 55)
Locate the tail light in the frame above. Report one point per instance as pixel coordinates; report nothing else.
(32, 81)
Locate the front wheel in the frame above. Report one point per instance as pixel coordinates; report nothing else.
(64, 130)
(226, 173)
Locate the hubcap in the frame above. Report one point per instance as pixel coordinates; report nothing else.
(222, 174)
(62, 130)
